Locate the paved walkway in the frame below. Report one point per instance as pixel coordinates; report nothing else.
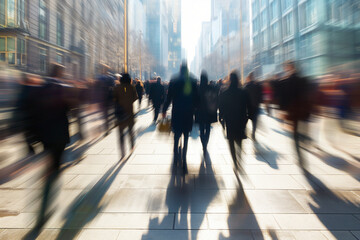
(138, 198)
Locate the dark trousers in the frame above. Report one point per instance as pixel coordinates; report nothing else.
(235, 154)
(156, 111)
(122, 138)
(56, 152)
(178, 152)
(204, 134)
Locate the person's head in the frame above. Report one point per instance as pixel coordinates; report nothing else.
(57, 70)
(125, 78)
(204, 79)
(289, 66)
(250, 77)
(158, 80)
(183, 68)
(234, 79)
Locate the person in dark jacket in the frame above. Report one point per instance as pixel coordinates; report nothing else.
(207, 110)
(125, 95)
(139, 90)
(294, 97)
(105, 85)
(233, 105)
(254, 92)
(53, 126)
(157, 96)
(183, 94)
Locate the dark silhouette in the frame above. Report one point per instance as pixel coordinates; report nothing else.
(105, 85)
(53, 130)
(125, 95)
(183, 94)
(294, 97)
(254, 92)
(157, 96)
(207, 110)
(139, 90)
(233, 104)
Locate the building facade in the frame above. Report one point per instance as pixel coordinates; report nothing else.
(79, 34)
(318, 34)
(175, 52)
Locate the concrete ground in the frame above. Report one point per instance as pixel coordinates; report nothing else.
(100, 197)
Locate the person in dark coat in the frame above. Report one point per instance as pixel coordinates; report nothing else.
(294, 97)
(124, 96)
(183, 94)
(254, 92)
(53, 126)
(234, 110)
(105, 85)
(207, 110)
(139, 90)
(157, 96)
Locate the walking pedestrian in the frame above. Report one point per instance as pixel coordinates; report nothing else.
(157, 96)
(139, 90)
(254, 92)
(233, 105)
(125, 95)
(183, 94)
(207, 110)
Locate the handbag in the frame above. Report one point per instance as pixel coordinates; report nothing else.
(165, 125)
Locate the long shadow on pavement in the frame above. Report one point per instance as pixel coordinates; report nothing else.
(324, 201)
(181, 199)
(87, 205)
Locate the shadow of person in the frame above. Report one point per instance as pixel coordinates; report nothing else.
(241, 216)
(266, 155)
(186, 205)
(334, 210)
(89, 203)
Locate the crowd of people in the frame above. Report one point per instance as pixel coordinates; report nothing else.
(44, 105)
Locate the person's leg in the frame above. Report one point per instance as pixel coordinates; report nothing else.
(202, 135)
(297, 141)
(233, 152)
(156, 112)
(131, 133)
(207, 134)
(55, 153)
(184, 152)
(122, 143)
(177, 136)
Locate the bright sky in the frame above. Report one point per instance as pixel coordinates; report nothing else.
(194, 12)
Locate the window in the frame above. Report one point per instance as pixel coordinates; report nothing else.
(11, 13)
(8, 50)
(265, 39)
(254, 7)
(2, 13)
(43, 59)
(264, 19)
(286, 4)
(43, 20)
(307, 14)
(73, 34)
(59, 57)
(20, 52)
(274, 10)
(274, 34)
(263, 3)
(21, 11)
(59, 29)
(288, 24)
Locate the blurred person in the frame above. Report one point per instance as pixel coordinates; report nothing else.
(254, 92)
(124, 96)
(157, 96)
(139, 90)
(234, 110)
(294, 95)
(105, 85)
(267, 93)
(183, 94)
(206, 112)
(53, 128)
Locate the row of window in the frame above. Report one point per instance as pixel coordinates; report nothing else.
(12, 50)
(274, 5)
(12, 13)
